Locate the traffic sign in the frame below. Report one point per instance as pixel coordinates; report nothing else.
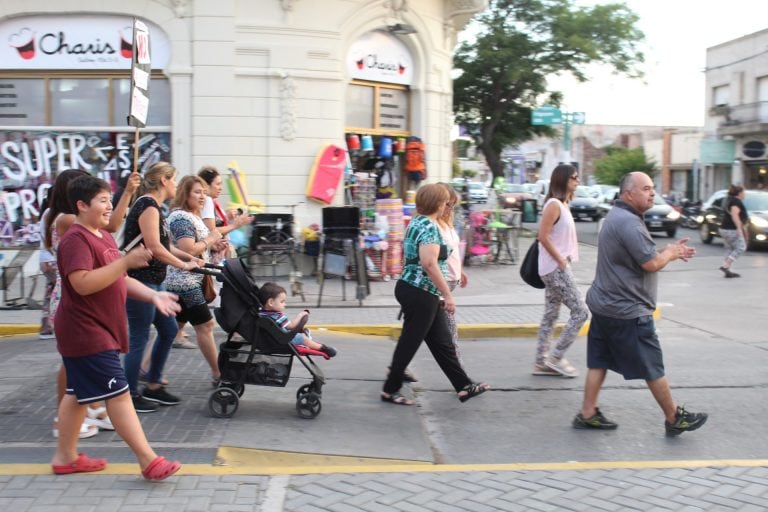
(546, 115)
(579, 117)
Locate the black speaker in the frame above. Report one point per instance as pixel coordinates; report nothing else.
(341, 221)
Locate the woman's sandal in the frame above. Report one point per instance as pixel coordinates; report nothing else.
(99, 418)
(160, 469)
(473, 389)
(397, 399)
(82, 464)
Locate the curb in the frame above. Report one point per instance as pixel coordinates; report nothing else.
(390, 330)
(13, 329)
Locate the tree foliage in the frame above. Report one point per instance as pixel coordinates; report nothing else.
(619, 161)
(503, 73)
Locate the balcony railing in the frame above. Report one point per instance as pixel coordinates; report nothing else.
(742, 114)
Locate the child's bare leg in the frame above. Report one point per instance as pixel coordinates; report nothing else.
(128, 426)
(310, 343)
(61, 384)
(207, 344)
(71, 416)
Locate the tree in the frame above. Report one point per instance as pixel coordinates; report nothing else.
(503, 73)
(619, 161)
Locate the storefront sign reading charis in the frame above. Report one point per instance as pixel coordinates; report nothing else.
(380, 57)
(75, 42)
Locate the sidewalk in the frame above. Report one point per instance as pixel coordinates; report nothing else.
(496, 303)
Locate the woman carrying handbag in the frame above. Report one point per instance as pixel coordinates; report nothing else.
(558, 247)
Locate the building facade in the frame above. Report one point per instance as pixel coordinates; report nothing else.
(264, 83)
(735, 149)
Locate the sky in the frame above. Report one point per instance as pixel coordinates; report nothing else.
(677, 34)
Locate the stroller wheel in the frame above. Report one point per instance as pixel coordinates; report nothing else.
(308, 405)
(303, 390)
(223, 403)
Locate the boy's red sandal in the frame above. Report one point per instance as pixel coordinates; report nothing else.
(160, 469)
(82, 464)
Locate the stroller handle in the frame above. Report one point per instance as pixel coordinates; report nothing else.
(214, 266)
(206, 271)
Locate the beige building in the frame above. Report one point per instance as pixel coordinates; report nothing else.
(735, 149)
(266, 83)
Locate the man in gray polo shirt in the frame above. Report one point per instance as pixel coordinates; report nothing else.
(622, 299)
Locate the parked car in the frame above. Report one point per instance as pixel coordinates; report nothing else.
(513, 196)
(756, 203)
(583, 205)
(662, 217)
(477, 192)
(604, 193)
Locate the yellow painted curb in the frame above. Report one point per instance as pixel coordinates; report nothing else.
(390, 330)
(208, 469)
(234, 457)
(12, 329)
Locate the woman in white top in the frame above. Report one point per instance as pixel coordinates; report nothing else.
(558, 247)
(456, 276)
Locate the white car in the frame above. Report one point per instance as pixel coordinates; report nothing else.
(477, 192)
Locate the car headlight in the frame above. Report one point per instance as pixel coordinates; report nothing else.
(758, 222)
(699, 219)
(673, 215)
(510, 200)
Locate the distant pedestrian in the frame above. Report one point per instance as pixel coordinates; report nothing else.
(425, 298)
(622, 335)
(558, 248)
(733, 229)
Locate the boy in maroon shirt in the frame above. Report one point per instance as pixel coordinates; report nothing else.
(92, 330)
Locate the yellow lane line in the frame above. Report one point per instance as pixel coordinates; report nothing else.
(206, 469)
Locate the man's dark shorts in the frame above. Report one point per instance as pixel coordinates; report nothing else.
(629, 347)
(95, 377)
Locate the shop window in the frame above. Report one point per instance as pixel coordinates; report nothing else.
(79, 101)
(159, 101)
(22, 102)
(377, 108)
(360, 106)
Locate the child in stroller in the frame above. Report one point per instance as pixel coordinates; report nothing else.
(273, 297)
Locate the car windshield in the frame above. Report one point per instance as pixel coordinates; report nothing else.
(514, 187)
(657, 199)
(756, 201)
(476, 186)
(582, 192)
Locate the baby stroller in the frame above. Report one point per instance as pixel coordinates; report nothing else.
(265, 354)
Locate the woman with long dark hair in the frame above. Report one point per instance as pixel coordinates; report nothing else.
(733, 229)
(558, 247)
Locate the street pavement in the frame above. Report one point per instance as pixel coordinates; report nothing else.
(510, 449)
